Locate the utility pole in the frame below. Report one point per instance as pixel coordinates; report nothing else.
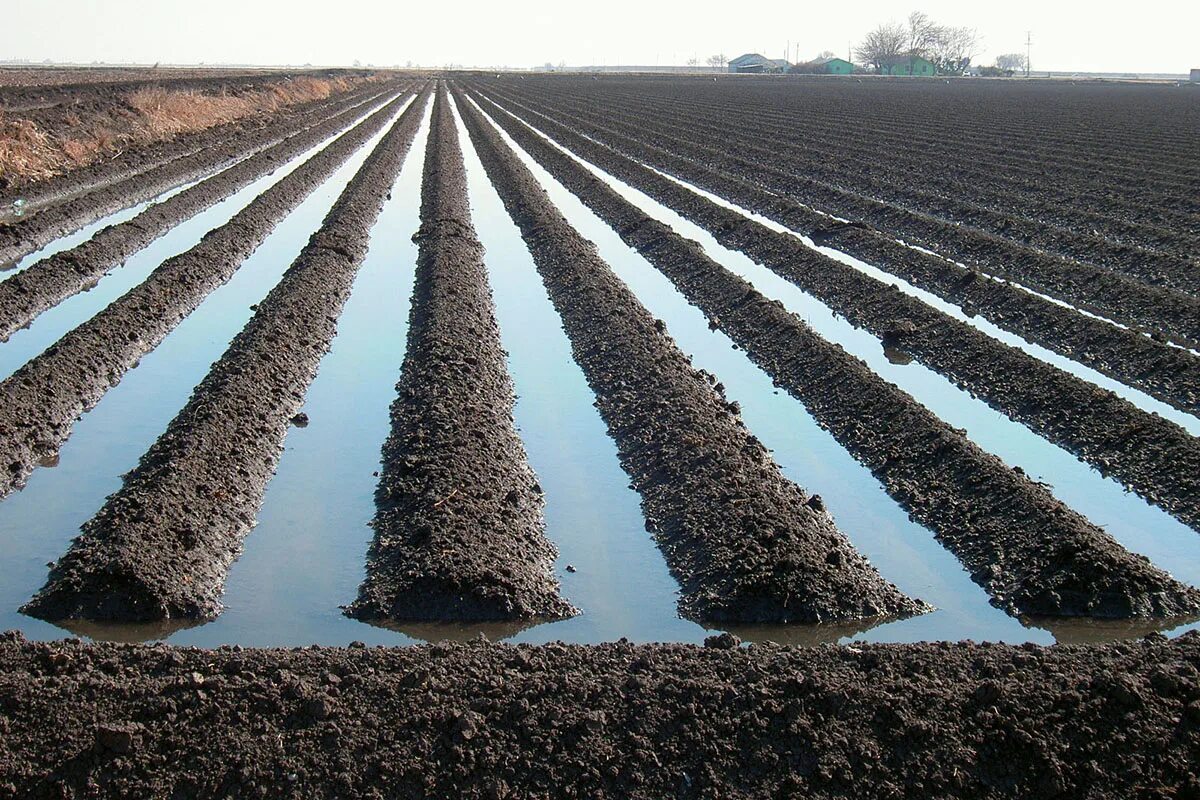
(1028, 52)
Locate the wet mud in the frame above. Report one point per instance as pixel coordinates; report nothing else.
(460, 528)
(161, 546)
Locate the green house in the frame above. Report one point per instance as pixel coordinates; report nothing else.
(835, 66)
(910, 65)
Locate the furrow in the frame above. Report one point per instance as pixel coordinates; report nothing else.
(43, 398)
(746, 544)
(459, 527)
(1164, 372)
(27, 235)
(1030, 552)
(160, 548)
(50, 281)
(44, 193)
(1148, 454)
(1174, 314)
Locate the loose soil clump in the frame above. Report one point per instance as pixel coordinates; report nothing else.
(942, 720)
(746, 544)
(459, 531)
(160, 548)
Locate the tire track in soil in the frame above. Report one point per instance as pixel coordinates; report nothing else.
(50, 281)
(1031, 553)
(27, 235)
(44, 397)
(1167, 312)
(161, 546)
(1148, 454)
(746, 544)
(460, 532)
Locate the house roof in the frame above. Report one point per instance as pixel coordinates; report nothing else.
(824, 61)
(749, 58)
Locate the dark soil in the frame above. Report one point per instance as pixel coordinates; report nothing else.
(44, 398)
(483, 720)
(1148, 454)
(64, 109)
(224, 146)
(746, 544)
(1032, 553)
(50, 281)
(160, 548)
(459, 530)
(1129, 355)
(1118, 296)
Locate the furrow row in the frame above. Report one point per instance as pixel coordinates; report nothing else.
(161, 547)
(50, 281)
(459, 527)
(744, 543)
(27, 235)
(1032, 553)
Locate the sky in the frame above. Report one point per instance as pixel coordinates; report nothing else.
(1068, 35)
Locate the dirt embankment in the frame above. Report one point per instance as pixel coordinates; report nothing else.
(1031, 553)
(50, 281)
(27, 234)
(160, 548)
(459, 530)
(1150, 455)
(45, 396)
(746, 544)
(482, 720)
(46, 131)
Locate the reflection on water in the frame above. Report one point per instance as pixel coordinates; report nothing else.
(127, 633)
(306, 557)
(431, 632)
(1075, 630)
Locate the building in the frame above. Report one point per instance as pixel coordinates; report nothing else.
(750, 62)
(910, 65)
(1195, 76)
(755, 63)
(834, 66)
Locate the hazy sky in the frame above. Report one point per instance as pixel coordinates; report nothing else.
(1145, 36)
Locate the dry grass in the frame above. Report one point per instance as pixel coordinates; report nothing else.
(29, 154)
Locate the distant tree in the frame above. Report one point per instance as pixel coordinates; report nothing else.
(954, 49)
(827, 54)
(923, 35)
(717, 61)
(882, 45)
(1011, 62)
(693, 62)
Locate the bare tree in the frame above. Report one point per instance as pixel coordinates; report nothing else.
(693, 62)
(953, 52)
(827, 54)
(1011, 62)
(717, 61)
(924, 35)
(884, 44)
